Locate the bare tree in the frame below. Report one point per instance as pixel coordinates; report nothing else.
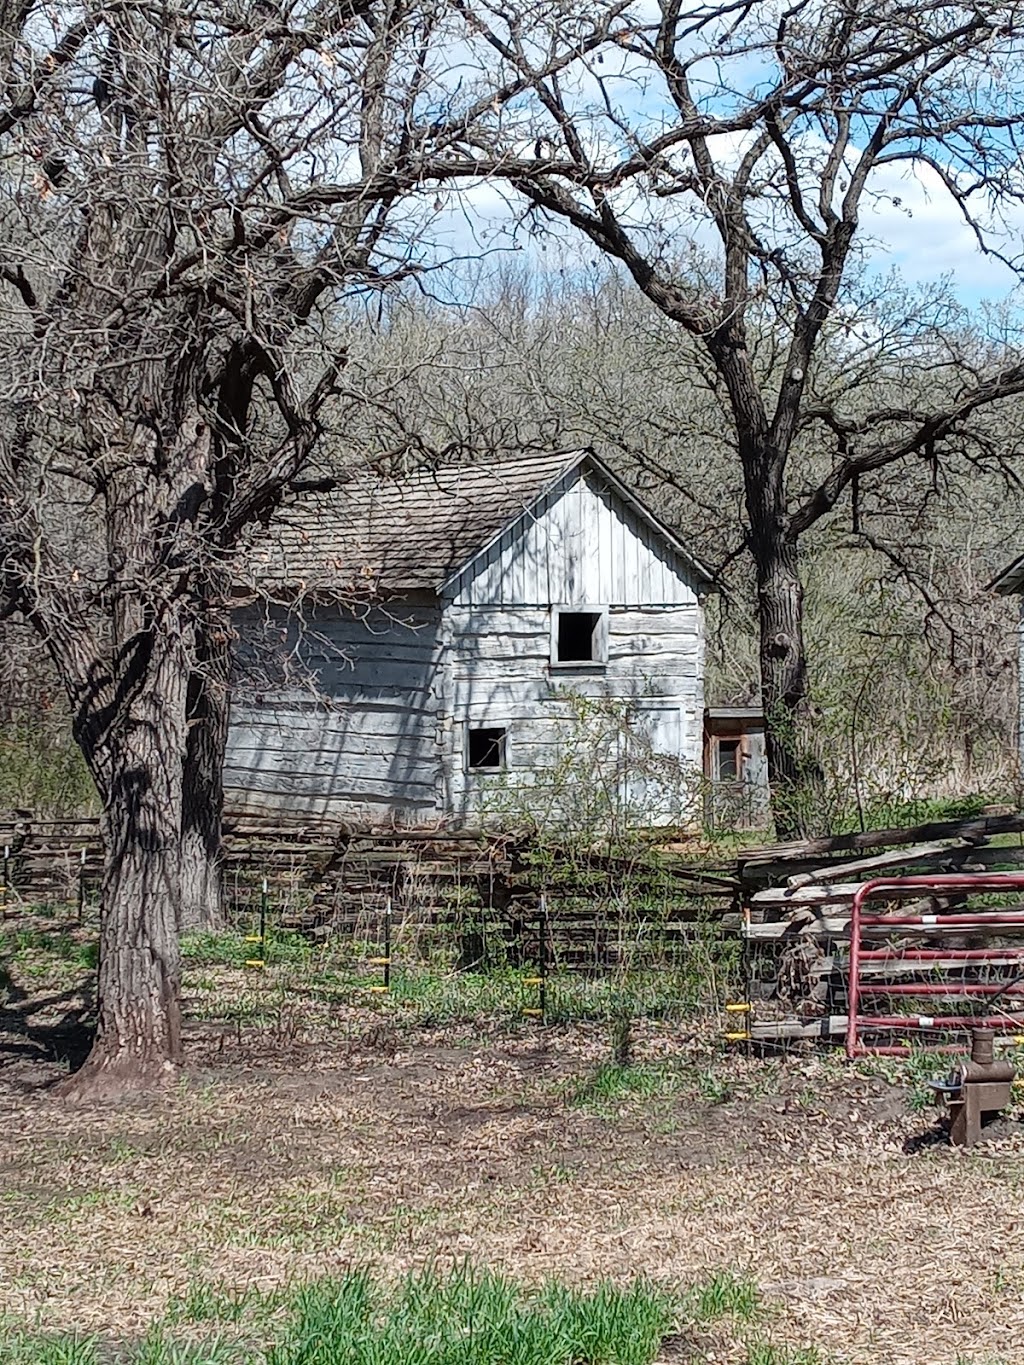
(726, 154)
(185, 191)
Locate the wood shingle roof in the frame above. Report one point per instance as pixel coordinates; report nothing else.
(374, 536)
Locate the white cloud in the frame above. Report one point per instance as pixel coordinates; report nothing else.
(912, 222)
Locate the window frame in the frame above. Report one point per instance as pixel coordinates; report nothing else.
(471, 725)
(741, 757)
(600, 636)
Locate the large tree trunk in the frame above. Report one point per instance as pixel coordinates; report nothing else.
(138, 1034)
(795, 774)
(202, 904)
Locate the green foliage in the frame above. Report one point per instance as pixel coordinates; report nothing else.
(465, 1317)
(157, 1348)
(64, 1349)
(912, 1073)
(231, 949)
(724, 1295)
(613, 1084)
(43, 771)
(472, 1317)
(204, 1302)
(764, 1353)
(60, 945)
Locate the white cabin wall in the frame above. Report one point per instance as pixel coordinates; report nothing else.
(353, 733)
(580, 547)
(500, 674)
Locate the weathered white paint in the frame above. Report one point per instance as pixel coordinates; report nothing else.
(502, 674)
(358, 734)
(372, 722)
(579, 544)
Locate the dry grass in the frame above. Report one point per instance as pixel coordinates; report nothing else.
(288, 1153)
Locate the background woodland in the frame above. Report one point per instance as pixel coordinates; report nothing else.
(914, 661)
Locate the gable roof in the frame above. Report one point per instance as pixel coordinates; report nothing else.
(377, 536)
(1011, 579)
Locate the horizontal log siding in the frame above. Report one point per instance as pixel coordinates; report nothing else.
(367, 745)
(500, 674)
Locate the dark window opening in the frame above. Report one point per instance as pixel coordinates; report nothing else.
(486, 750)
(728, 760)
(579, 637)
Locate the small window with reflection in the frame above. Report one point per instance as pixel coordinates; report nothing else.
(729, 760)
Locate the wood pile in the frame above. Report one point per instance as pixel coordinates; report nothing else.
(798, 898)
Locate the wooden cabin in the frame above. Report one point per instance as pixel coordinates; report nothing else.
(418, 645)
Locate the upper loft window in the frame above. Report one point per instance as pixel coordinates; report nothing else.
(579, 638)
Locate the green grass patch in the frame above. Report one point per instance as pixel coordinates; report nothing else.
(724, 1295)
(613, 1085)
(764, 1353)
(27, 944)
(913, 1073)
(465, 1317)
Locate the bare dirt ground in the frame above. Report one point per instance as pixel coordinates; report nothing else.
(283, 1154)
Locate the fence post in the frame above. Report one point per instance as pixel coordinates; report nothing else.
(81, 884)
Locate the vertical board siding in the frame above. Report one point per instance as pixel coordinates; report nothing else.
(579, 544)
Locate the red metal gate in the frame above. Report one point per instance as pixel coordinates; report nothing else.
(940, 963)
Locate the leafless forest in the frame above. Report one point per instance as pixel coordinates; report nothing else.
(914, 662)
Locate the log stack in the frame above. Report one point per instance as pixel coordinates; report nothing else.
(798, 897)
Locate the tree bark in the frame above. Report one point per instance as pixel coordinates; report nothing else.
(794, 775)
(138, 1033)
(202, 904)
(794, 771)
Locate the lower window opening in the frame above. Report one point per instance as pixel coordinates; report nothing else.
(486, 749)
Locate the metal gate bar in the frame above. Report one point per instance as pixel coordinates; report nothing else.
(1002, 922)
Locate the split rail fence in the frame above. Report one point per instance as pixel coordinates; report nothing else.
(471, 894)
(790, 908)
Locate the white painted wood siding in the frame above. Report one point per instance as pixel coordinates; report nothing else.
(367, 747)
(381, 736)
(580, 544)
(500, 674)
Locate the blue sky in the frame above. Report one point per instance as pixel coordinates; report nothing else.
(923, 236)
